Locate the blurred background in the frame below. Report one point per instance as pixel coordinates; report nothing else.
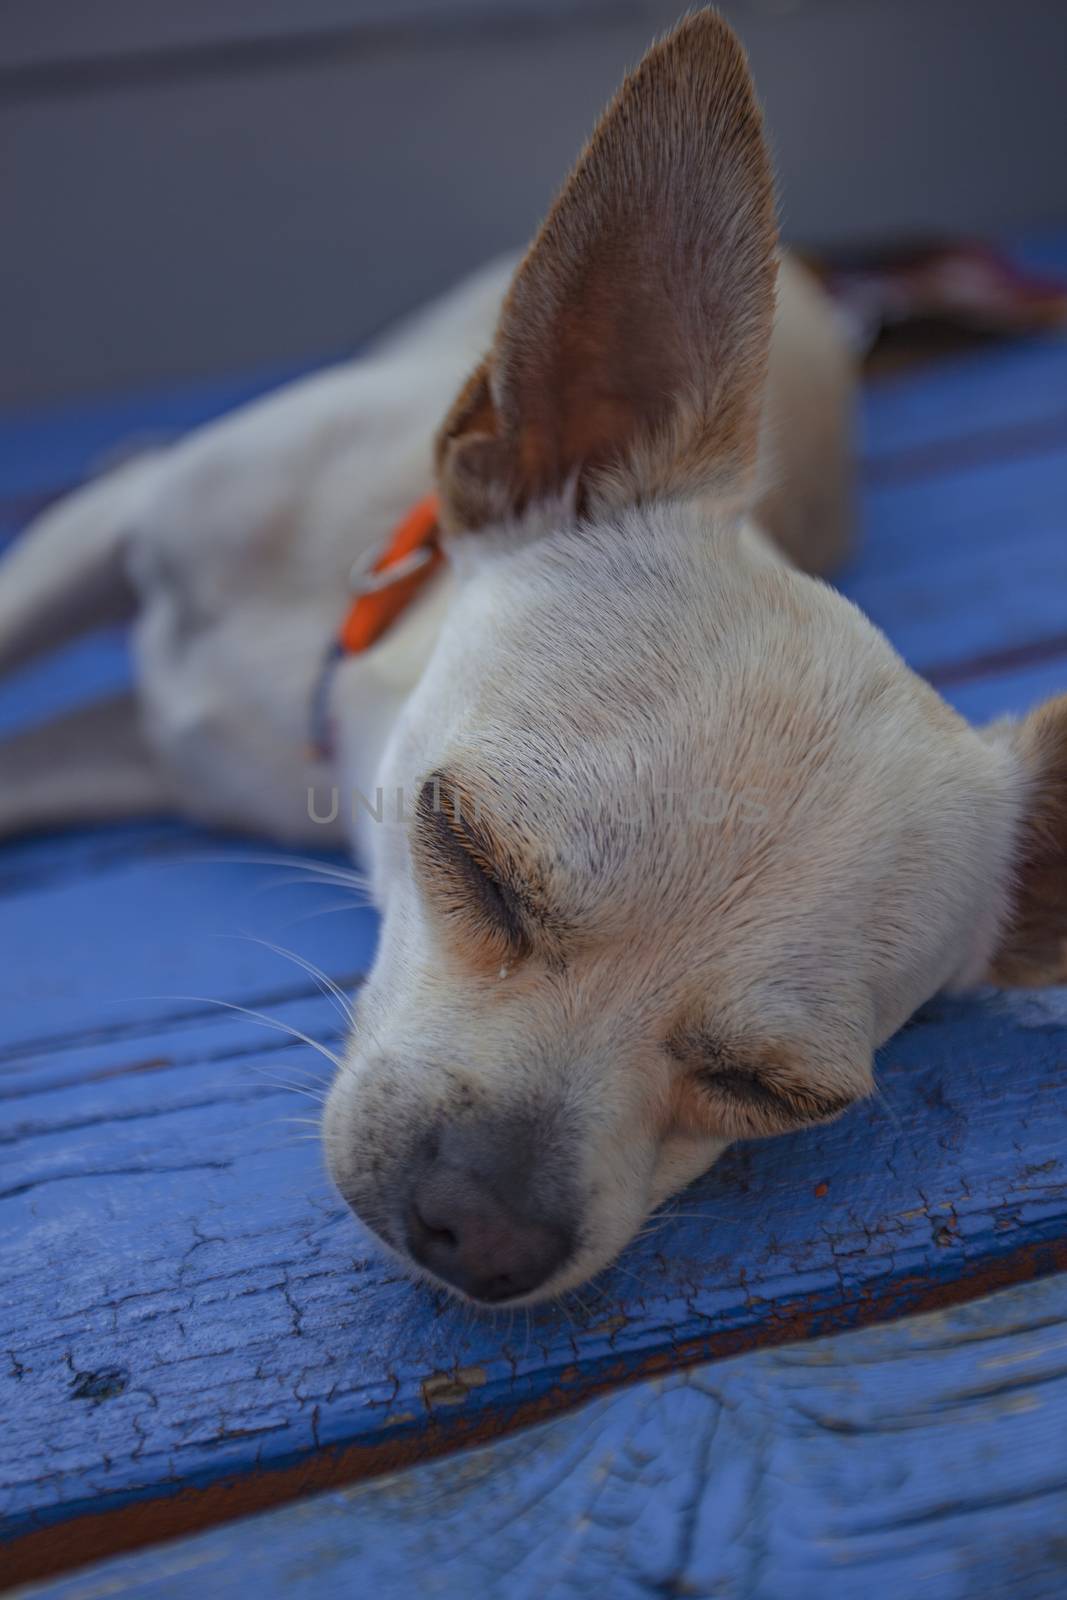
(238, 185)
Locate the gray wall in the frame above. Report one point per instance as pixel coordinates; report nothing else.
(218, 184)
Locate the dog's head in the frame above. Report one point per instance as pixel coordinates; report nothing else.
(685, 839)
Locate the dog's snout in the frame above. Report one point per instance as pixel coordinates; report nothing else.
(491, 1249)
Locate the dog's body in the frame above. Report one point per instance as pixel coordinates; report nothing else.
(669, 840)
(237, 545)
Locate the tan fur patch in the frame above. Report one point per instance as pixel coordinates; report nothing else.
(1034, 950)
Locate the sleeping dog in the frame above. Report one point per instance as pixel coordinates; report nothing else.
(665, 837)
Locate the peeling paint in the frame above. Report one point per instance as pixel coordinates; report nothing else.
(452, 1388)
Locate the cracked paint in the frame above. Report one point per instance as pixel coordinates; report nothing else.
(451, 1388)
(272, 1349)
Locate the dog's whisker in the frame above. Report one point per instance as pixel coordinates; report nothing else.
(263, 1020)
(310, 1079)
(890, 1110)
(645, 1285)
(303, 866)
(293, 1088)
(312, 1086)
(580, 1303)
(315, 1091)
(652, 1228)
(697, 1216)
(560, 1304)
(325, 880)
(627, 1273)
(329, 987)
(326, 911)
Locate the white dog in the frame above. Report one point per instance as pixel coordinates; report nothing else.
(665, 837)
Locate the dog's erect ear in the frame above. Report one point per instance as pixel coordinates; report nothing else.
(631, 349)
(1033, 949)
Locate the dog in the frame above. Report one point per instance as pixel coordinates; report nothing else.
(665, 838)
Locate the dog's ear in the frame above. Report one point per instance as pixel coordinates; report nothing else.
(1033, 948)
(631, 349)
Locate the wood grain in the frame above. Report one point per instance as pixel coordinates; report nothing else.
(186, 1305)
(926, 1458)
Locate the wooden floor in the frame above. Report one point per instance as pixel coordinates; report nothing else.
(921, 1458)
(191, 1327)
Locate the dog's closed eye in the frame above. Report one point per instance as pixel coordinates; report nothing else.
(466, 873)
(747, 1092)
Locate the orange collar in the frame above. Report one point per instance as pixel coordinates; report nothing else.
(412, 555)
(380, 594)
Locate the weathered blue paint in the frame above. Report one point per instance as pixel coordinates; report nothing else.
(999, 398)
(160, 1222)
(53, 448)
(925, 1458)
(92, 669)
(984, 699)
(939, 572)
(183, 1302)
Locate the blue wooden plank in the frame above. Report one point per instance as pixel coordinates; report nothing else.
(108, 939)
(926, 1458)
(971, 562)
(56, 446)
(164, 1238)
(93, 668)
(998, 394)
(1007, 397)
(984, 698)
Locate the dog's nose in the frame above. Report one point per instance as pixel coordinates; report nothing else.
(462, 1232)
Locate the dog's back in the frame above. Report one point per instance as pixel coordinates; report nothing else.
(232, 550)
(807, 446)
